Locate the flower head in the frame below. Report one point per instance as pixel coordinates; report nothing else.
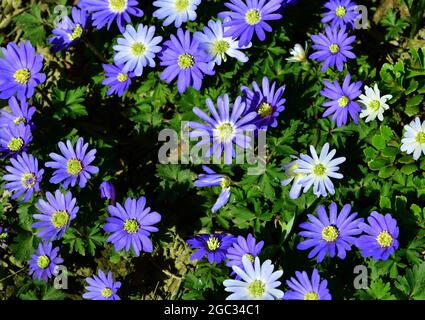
(298, 54)
(373, 105)
(102, 287)
(318, 170)
(247, 16)
(333, 48)
(20, 113)
(107, 191)
(380, 240)
(266, 101)
(23, 176)
(243, 247)
(137, 48)
(223, 130)
(20, 70)
(217, 46)
(44, 261)
(214, 246)
(258, 281)
(414, 138)
(340, 13)
(55, 215)
(184, 59)
(131, 225)
(210, 179)
(177, 11)
(14, 139)
(302, 288)
(104, 12)
(69, 30)
(293, 177)
(117, 80)
(330, 234)
(73, 165)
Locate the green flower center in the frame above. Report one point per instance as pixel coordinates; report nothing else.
(252, 17)
(78, 30)
(420, 137)
(185, 61)
(182, 5)
(225, 132)
(257, 288)
(311, 296)
(330, 233)
(265, 110)
(384, 239)
(18, 120)
(22, 75)
(74, 166)
(43, 261)
(334, 48)
(375, 105)
(15, 144)
(131, 226)
(60, 218)
(3, 235)
(28, 180)
(117, 6)
(220, 47)
(107, 292)
(319, 170)
(213, 243)
(340, 12)
(122, 77)
(343, 101)
(225, 183)
(138, 49)
(249, 256)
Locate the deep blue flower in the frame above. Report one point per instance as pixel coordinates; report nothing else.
(343, 100)
(330, 234)
(184, 59)
(333, 48)
(23, 176)
(381, 236)
(177, 11)
(117, 80)
(132, 225)
(243, 247)
(340, 13)
(302, 288)
(20, 70)
(69, 30)
(266, 101)
(73, 165)
(19, 113)
(55, 215)
(214, 246)
(14, 139)
(44, 261)
(102, 287)
(107, 191)
(248, 16)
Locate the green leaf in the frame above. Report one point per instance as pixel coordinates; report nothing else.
(23, 246)
(378, 142)
(53, 294)
(378, 290)
(412, 284)
(68, 103)
(377, 164)
(409, 168)
(32, 25)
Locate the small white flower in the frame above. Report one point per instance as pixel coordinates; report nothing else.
(292, 177)
(298, 53)
(373, 104)
(258, 282)
(414, 138)
(177, 11)
(137, 49)
(318, 170)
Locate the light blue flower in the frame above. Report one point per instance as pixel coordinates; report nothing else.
(177, 11)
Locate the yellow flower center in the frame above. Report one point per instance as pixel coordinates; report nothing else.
(384, 239)
(225, 132)
(220, 47)
(249, 256)
(330, 233)
(265, 110)
(225, 183)
(43, 261)
(60, 218)
(252, 17)
(182, 5)
(15, 144)
(257, 288)
(117, 6)
(74, 166)
(3, 235)
(22, 75)
(291, 172)
(340, 12)
(122, 77)
(185, 61)
(311, 296)
(131, 226)
(78, 30)
(420, 137)
(138, 49)
(18, 120)
(334, 48)
(107, 292)
(213, 243)
(343, 101)
(319, 170)
(375, 105)
(28, 180)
